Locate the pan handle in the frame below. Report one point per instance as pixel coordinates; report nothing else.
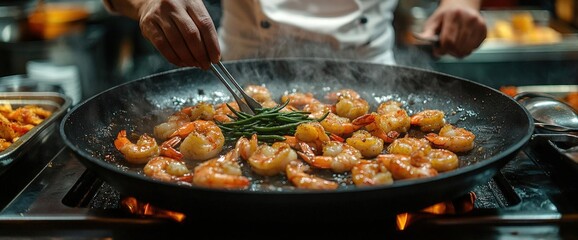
(569, 139)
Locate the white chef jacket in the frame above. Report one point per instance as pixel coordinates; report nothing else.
(353, 29)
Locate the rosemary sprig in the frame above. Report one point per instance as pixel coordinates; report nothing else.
(270, 124)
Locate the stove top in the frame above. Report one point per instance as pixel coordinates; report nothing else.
(50, 193)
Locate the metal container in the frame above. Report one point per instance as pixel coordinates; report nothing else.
(55, 102)
(23, 83)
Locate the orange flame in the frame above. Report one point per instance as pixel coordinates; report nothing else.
(460, 205)
(146, 209)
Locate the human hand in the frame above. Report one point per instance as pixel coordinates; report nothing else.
(181, 30)
(460, 26)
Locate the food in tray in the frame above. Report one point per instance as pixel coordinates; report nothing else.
(571, 98)
(521, 29)
(16, 122)
(302, 142)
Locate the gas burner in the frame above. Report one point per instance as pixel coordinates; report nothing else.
(532, 196)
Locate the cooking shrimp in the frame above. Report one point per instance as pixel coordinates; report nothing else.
(140, 152)
(167, 169)
(342, 126)
(223, 112)
(337, 156)
(296, 172)
(390, 106)
(168, 148)
(390, 121)
(404, 167)
(388, 126)
(429, 120)
(202, 140)
(202, 110)
(221, 172)
(369, 145)
(350, 107)
(348, 93)
(409, 145)
(272, 104)
(298, 99)
(164, 130)
(260, 93)
(443, 160)
(370, 173)
(317, 109)
(310, 133)
(271, 160)
(247, 147)
(452, 138)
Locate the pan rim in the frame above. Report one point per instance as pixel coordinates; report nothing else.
(396, 185)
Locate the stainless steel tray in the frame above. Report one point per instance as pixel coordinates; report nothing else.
(56, 102)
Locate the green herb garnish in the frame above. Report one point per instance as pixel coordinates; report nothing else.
(270, 124)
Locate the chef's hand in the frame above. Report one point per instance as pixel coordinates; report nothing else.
(460, 26)
(181, 30)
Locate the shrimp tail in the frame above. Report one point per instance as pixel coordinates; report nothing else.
(415, 120)
(308, 156)
(121, 139)
(187, 178)
(363, 120)
(336, 137)
(168, 148)
(187, 110)
(238, 182)
(306, 152)
(436, 140)
(388, 137)
(292, 141)
(184, 130)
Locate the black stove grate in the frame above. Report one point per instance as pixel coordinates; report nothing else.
(532, 194)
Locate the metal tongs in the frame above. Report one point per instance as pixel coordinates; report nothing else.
(249, 105)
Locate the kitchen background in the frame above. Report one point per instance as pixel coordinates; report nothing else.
(77, 47)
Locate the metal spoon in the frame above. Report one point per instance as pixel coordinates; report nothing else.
(548, 112)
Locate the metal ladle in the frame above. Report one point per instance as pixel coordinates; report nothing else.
(548, 112)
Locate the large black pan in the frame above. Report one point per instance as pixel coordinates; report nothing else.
(501, 125)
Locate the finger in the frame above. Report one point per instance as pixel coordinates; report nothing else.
(155, 35)
(478, 35)
(449, 34)
(430, 31)
(463, 46)
(470, 42)
(431, 27)
(194, 42)
(193, 39)
(176, 41)
(208, 33)
(471, 36)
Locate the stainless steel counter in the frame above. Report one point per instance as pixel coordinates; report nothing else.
(501, 63)
(493, 51)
